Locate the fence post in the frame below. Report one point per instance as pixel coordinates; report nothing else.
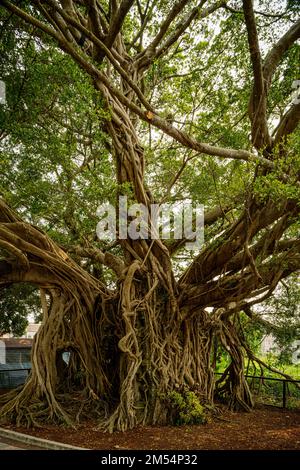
(284, 394)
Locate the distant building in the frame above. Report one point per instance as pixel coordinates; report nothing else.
(15, 357)
(31, 330)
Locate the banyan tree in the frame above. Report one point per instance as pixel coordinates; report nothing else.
(194, 101)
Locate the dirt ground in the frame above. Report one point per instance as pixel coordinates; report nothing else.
(264, 428)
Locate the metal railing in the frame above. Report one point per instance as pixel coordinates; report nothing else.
(10, 380)
(262, 379)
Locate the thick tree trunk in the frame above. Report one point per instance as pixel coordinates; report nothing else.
(133, 360)
(68, 296)
(159, 353)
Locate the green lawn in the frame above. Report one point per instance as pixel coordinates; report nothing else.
(269, 391)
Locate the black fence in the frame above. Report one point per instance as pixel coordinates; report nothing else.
(268, 390)
(274, 391)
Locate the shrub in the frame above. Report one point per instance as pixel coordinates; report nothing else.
(186, 408)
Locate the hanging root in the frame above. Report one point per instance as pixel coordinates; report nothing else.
(65, 328)
(67, 296)
(233, 386)
(160, 352)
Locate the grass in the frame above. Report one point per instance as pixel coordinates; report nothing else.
(291, 369)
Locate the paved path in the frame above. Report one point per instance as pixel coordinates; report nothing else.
(12, 440)
(8, 444)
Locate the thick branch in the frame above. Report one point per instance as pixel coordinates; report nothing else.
(117, 21)
(241, 286)
(7, 215)
(268, 244)
(20, 257)
(35, 275)
(288, 123)
(161, 124)
(254, 47)
(181, 136)
(275, 55)
(212, 260)
(95, 19)
(104, 50)
(108, 259)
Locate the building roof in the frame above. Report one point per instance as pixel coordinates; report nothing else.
(13, 343)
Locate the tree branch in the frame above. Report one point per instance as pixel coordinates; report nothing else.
(262, 13)
(108, 259)
(95, 19)
(213, 260)
(241, 286)
(117, 22)
(258, 102)
(35, 275)
(145, 18)
(31, 20)
(174, 12)
(275, 55)
(106, 52)
(145, 59)
(7, 215)
(265, 247)
(181, 136)
(257, 318)
(84, 61)
(288, 123)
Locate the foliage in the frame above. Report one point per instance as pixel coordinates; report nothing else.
(55, 166)
(282, 309)
(17, 302)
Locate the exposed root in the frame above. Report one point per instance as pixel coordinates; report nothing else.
(128, 351)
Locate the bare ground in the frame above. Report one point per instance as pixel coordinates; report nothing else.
(264, 428)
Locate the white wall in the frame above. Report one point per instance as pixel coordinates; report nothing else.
(2, 352)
